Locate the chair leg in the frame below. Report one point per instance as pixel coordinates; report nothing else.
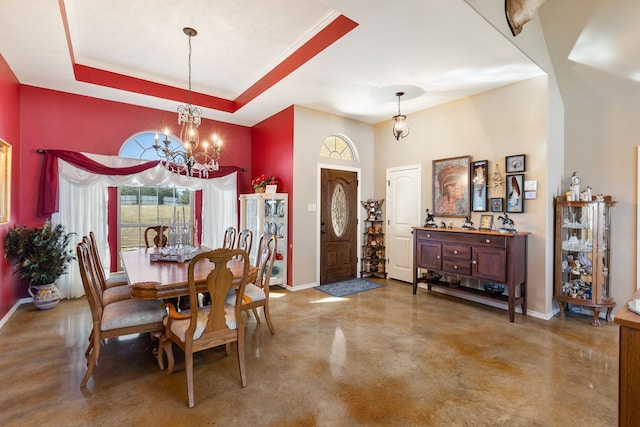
(188, 359)
(267, 315)
(89, 346)
(160, 356)
(255, 314)
(167, 348)
(240, 348)
(93, 359)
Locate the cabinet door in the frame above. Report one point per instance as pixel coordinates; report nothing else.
(489, 264)
(429, 255)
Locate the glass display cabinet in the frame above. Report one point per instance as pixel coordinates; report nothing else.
(582, 256)
(268, 212)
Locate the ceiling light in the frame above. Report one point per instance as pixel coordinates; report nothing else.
(400, 127)
(190, 160)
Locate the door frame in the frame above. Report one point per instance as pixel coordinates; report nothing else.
(318, 211)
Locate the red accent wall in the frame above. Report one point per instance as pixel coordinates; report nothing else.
(33, 118)
(52, 119)
(10, 133)
(272, 154)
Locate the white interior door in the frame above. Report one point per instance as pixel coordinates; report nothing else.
(403, 197)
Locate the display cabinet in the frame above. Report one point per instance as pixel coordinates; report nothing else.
(582, 256)
(268, 212)
(373, 261)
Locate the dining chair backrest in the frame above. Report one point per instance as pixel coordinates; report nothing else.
(245, 240)
(229, 241)
(93, 249)
(267, 247)
(212, 325)
(90, 281)
(257, 293)
(157, 231)
(116, 279)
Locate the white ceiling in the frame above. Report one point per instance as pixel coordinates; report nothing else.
(435, 50)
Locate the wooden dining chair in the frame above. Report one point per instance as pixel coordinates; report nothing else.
(114, 293)
(157, 231)
(114, 279)
(116, 319)
(257, 294)
(229, 241)
(207, 326)
(245, 240)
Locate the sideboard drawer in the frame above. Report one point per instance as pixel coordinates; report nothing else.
(456, 251)
(456, 266)
(487, 240)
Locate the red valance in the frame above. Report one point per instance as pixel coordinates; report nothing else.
(48, 197)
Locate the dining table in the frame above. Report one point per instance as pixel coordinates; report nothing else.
(151, 279)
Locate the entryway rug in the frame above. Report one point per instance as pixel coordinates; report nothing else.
(348, 287)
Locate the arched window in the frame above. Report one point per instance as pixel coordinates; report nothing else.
(142, 207)
(337, 147)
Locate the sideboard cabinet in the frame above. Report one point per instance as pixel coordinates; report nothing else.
(442, 257)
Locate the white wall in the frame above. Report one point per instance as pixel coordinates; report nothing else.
(311, 127)
(489, 126)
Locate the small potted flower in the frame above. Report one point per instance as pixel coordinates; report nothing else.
(261, 182)
(41, 255)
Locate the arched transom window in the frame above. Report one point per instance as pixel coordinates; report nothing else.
(337, 147)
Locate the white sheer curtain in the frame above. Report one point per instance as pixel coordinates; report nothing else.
(219, 209)
(83, 206)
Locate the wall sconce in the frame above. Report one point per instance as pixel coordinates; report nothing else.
(400, 127)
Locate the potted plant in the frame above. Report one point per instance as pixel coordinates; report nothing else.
(41, 255)
(260, 182)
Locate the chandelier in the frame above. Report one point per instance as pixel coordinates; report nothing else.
(193, 158)
(400, 127)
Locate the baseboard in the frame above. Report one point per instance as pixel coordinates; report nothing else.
(13, 309)
(301, 287)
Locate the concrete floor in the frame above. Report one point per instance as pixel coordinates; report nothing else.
(384, 357)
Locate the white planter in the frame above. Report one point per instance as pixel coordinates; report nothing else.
(45, 297)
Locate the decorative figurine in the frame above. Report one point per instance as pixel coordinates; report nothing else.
(373, 208)
(586, 195)
(468, 224)
(429, 221)
(575, 187)
(507, 224)
(443, 225)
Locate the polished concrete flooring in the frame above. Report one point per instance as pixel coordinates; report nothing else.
(383, 357)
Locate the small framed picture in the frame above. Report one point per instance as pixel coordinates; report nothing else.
(515, 194)
(479, 175)
(514, 164)
(486, 222)
(496, 204)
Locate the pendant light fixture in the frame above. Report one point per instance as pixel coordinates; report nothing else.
(196, 158)
(400, 127)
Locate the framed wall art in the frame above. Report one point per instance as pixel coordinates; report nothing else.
(514, 164)
(515, 194)
(486, 222)
(451, 186)
(479, 175)
(5, 180)
(496, 204)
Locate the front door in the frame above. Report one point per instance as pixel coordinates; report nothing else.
(338, 225)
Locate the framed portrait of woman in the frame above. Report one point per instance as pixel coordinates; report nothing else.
(479, 175)
(515, 193)
(451, 186)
